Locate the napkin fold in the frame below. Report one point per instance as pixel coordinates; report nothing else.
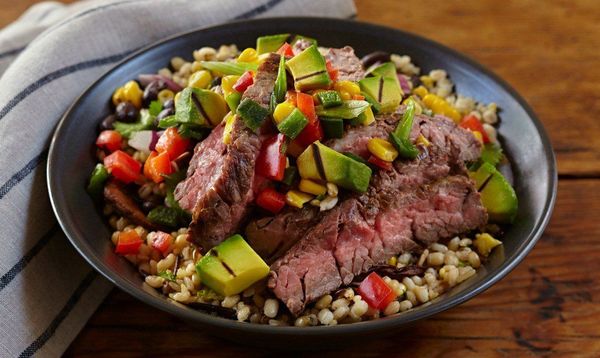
(47, 58)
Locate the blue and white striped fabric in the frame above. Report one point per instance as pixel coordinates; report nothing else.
(48, 57)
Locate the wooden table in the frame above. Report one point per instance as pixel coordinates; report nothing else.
(550, 304)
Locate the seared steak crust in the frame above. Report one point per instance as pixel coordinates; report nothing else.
(218, 189)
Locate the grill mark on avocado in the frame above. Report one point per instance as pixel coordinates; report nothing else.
(380, 92)
(228, 268)
(198, 105)
(318, 161)
(310, 75)
(485, 183)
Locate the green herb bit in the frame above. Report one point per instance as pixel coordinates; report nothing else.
(229, 68)
(400, 137)
(97, 180)
(329, 98)
(252, 113)
(347, 110)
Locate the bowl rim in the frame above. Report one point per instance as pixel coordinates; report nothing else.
(360, 327)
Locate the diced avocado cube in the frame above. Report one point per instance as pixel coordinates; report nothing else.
(231, 267)
(385, 90)
(319, 162)
(293, 124)
(309, 70)
(270, 43)
(386, 70)
(497, 195)
(201, 107)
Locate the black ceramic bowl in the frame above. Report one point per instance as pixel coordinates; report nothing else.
(524, 140)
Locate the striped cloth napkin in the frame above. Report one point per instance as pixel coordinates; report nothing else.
(47, 58)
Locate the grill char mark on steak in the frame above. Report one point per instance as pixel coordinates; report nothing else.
(220, 180)
(415, 204)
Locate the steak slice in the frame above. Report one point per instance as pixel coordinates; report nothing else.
(345, 61)
(219, 186)
(351, 239)
(450, 146)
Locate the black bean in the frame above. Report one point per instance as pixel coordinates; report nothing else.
(373, 57)
(148, 205)
(107, 123)
(169, 104)
(151, 91)
(126, 112)
(163, 114)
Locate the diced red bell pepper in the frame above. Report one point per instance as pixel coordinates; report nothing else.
(306, 105)
(157, 165)
(286, 50)
(122, 166)
(172, 142)
(271, 200)
(110, 140)
(376, 292)
(128, 243)
(162, 241)
(244, 82)
(271, 159)
(333, 73)
(473, 123)
(381, 164)
(359, 97)
(311, 133)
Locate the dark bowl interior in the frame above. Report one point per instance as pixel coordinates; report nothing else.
(71, 160)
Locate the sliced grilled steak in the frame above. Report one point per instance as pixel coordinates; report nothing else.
(450, 146)
(345, 61)
(415, 204)
(352, 238)
(272, 236)
(219, 185)
(117, 195)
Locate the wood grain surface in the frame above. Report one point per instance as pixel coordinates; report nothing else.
(550, 305)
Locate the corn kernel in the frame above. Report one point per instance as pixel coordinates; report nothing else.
(382, 149)
(427, 81)
(229, 119)
(227, 83)
(478, 135)
(118, 96)
(421, 91)
(369, 117)
(485, 243)
(282, 110)
(345, 95)
(439, 106)
(176, 98)
(311, 187)
(297, 198)
(200, 79)
(423, 141)
(393, 261)
(133, 93)
(196, 66)
(249, 55)
(348, 86)
(165, 95)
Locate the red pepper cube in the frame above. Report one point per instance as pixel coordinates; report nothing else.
(122, 166)
(128, 243)
(376, 292)
(172, 143)
(472, 123)
(271, 200)
(271, 159)
(244, 82)
(306, 105)
(333, 73)
(157, 166)
(381, 164)
(109, 140)
(162, 241)
(286, 50)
